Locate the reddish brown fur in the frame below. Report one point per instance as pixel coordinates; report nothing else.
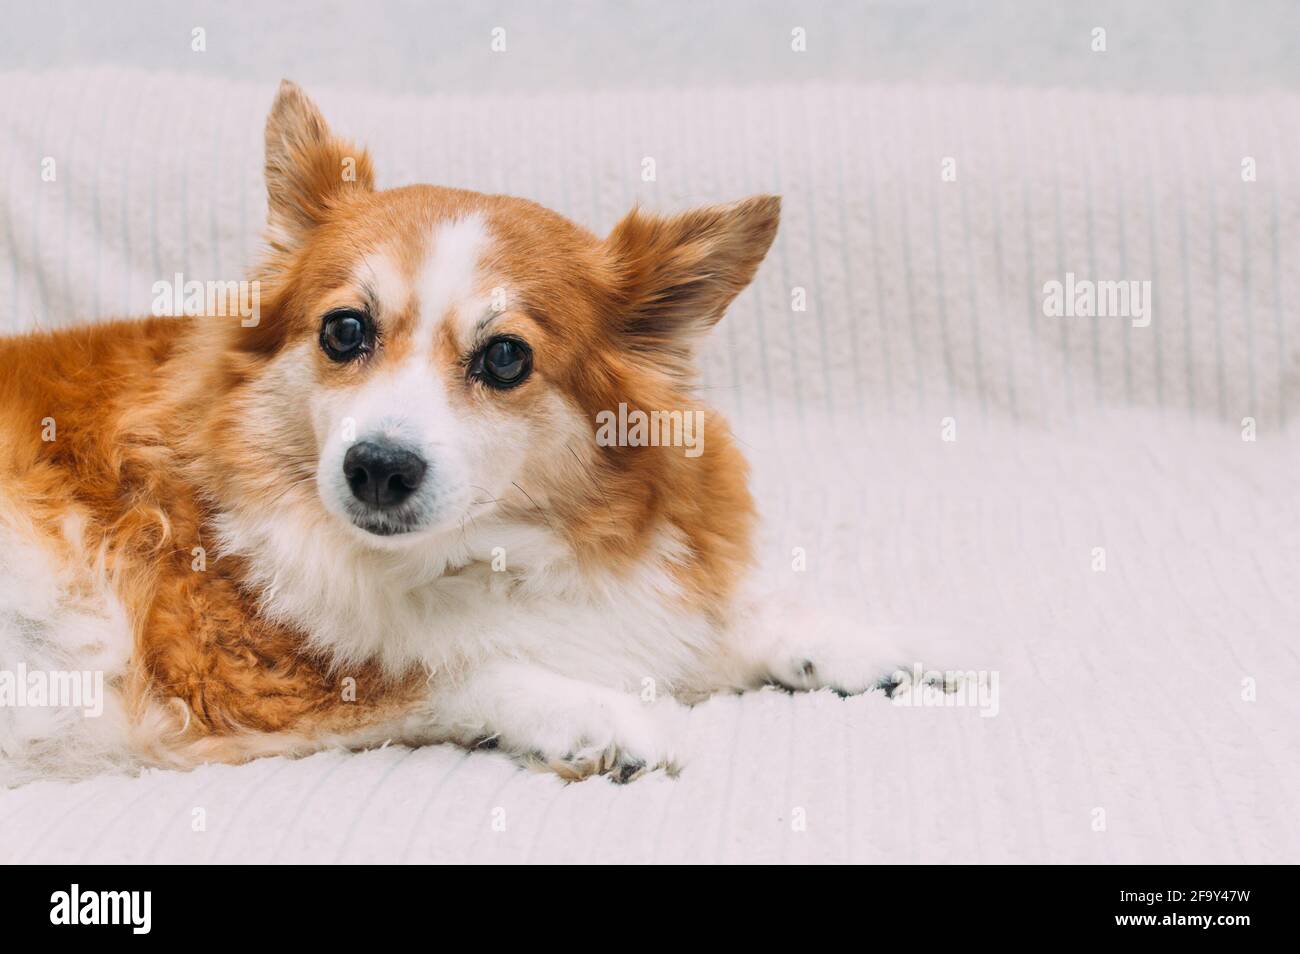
(114, 392)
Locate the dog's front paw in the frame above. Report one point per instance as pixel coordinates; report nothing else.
(618, 764)
(615, 735)
(571, 727)
(902, 681)
(841, 655)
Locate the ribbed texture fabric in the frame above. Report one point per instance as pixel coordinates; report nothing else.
(1120, 690)
(922, 294)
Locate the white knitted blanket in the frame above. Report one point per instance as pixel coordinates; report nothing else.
(1146, 710)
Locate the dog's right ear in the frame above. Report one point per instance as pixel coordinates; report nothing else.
(308, 169)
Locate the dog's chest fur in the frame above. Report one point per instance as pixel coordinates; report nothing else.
(496, 589)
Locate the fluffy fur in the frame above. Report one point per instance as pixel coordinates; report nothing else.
(186, 528)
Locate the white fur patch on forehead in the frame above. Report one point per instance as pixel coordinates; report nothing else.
(448, 276)
(379, 274)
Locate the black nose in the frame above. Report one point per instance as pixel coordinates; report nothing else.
(382, 474)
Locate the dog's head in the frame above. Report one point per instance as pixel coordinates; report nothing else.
(428, 355)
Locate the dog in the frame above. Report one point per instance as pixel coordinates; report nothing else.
(396, 506)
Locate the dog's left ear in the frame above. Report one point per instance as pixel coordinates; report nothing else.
(308, 169)
(676, 275)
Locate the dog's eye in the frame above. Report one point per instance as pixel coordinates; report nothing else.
(345, 335)
(503, 362)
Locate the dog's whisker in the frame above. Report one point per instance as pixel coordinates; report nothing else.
(586, 473)
(536, 507)
(490, 498)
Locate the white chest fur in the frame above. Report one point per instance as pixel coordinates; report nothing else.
(493, 590)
